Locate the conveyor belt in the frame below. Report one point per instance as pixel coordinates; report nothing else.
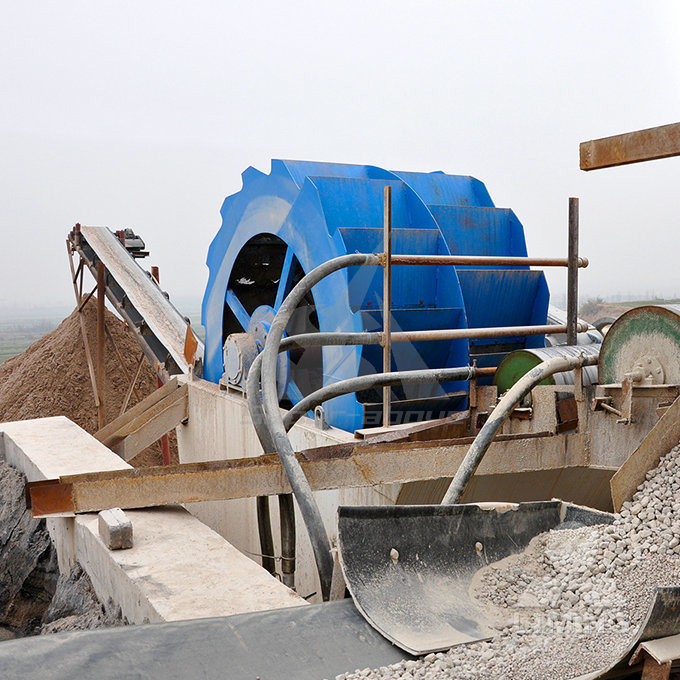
(160, 327)
(296, 643)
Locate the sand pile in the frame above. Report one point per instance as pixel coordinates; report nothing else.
(51, 378)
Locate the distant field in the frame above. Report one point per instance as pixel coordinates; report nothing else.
(17, 334)
(597, 308)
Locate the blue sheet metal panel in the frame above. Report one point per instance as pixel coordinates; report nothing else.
(301, 170)
(512, 291)
(480, 231)
(520, 299)
(412, 286)
(261, 206)
(437, 188)
(410, 356)
(359, 202)
(539, 312)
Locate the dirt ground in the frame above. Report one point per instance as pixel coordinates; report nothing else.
(51, 378)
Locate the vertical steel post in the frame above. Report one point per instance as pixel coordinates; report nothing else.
(101, 340)
(572, 273)
(387, 304)
(165, 440)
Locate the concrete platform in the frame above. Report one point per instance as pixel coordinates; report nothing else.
(178, 568)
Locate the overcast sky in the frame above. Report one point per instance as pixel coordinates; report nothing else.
(144, 114)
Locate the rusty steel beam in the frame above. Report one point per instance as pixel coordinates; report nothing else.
(332, 467)
(631, 147)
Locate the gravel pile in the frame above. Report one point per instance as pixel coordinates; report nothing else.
(572, 601)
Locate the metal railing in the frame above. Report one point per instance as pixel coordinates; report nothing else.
(266, 413)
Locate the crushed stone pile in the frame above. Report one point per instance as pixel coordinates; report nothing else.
(34, 597)
(51, 378)
(573, 600)
(75, 606)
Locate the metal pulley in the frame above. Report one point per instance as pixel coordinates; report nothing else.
(643, 345)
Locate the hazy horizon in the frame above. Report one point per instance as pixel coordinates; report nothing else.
(144, 116)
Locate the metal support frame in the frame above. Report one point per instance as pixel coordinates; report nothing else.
(101, 340)
(387, 306)
(482, 260)
(377, 338)
(277, 435)
(86, 343)
(572, 273)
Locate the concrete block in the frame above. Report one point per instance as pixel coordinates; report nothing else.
(115, 529)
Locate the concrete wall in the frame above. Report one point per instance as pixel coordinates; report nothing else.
(178, 567)
(219, 427)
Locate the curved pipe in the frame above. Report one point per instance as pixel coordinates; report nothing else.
(270, 401)
(273, 420)
(379, 380)
(255, 405)
(498, 416)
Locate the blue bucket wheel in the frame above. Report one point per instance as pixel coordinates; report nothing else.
(284, 224)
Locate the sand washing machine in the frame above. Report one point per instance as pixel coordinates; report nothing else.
(282, 225)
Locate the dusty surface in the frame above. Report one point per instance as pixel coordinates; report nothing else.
(51, 378)
(573, 601)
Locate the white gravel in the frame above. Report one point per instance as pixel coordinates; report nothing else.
(571, 603)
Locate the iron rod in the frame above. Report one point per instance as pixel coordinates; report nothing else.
(484, 260)
(121, 362)
(86, 344)
(131, 386)
(387, 305)
(101, 340)
(86, 299)
(572, 273)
